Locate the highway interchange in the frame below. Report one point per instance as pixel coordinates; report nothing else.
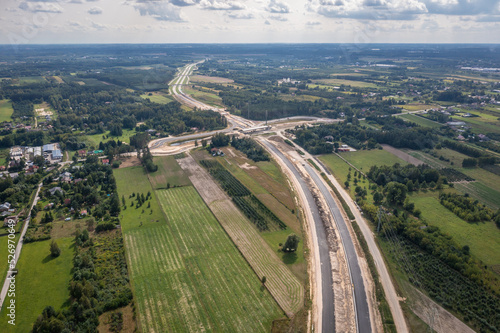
(326, 316)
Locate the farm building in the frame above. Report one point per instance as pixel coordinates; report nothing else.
(12, 220)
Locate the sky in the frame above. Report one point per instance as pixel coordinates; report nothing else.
(252, 21)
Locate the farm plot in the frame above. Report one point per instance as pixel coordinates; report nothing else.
(282, 284)
(189, 277)
(6, 110)
(169, 173)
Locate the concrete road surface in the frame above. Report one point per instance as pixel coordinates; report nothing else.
(328, 308)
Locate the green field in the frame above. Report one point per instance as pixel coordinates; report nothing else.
(93, 140)
(157, 98)
(6, 110)
(41, 281)
(188, 276)
(339, 82)
(134, 180)
(169, 172)
(482, 238)
(483, 189)
(4, 252)
(420, 120)
(364, 159)
(207, 96)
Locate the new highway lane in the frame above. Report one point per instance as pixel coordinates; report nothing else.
(360, 299)
(328, 311)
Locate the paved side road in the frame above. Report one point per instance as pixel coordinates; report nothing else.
(19, 247)
(326, 287)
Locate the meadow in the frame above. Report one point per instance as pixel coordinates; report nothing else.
(157, 97)
(482, 237)
(339, 82)
(188, 276)
(206, 96)
(6, 110)
(420, 120)
(169, 174)
(41, 281)
(94, 139)
(135, 180)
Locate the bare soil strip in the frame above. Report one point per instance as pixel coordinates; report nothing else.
(281, 283)
(402, 155)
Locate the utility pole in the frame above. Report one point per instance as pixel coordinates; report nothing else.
(379, 215)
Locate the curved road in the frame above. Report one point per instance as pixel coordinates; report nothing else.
(327, 315)
(326, 286)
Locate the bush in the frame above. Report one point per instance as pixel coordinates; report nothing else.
(104, 227)
(55, 251)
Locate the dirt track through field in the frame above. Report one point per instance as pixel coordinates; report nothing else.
(281, 283)
(402, 155)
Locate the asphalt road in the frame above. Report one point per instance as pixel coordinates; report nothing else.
(19, 247)
(360, 299)
(328, 309)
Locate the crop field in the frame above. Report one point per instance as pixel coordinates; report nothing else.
(281, 282)
(210, 79)
(42, 281)
(169, 172)
(480, 125)
(364, 159)
(301, 98)
(417, 107)
(135, 180)
(6, 110)
(476, 189)
(206, 97)
(189, 277)
(420, 120)
(482, 237)
(157, 97)
(339, 82)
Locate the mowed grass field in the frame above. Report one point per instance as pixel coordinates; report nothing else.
(189, 277)
(207, 96)
(365, 159)
(6, 110)
(135, 180)
(339, 82)
(169, 172)
(420, 120)
(482, 238)
(158, 97)
(41, 281)
(487, 184)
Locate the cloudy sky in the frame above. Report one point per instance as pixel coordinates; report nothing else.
(239, 21)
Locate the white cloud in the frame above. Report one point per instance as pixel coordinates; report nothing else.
(277, 7)
(95, 11)
(41, 7)
(313, 23)
(184, 3)
(369, 9)
(278, 18)
(161, 11)
(241, 16)
(222, 5)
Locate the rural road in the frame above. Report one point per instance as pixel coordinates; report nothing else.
(19, 247)
(326, 287)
